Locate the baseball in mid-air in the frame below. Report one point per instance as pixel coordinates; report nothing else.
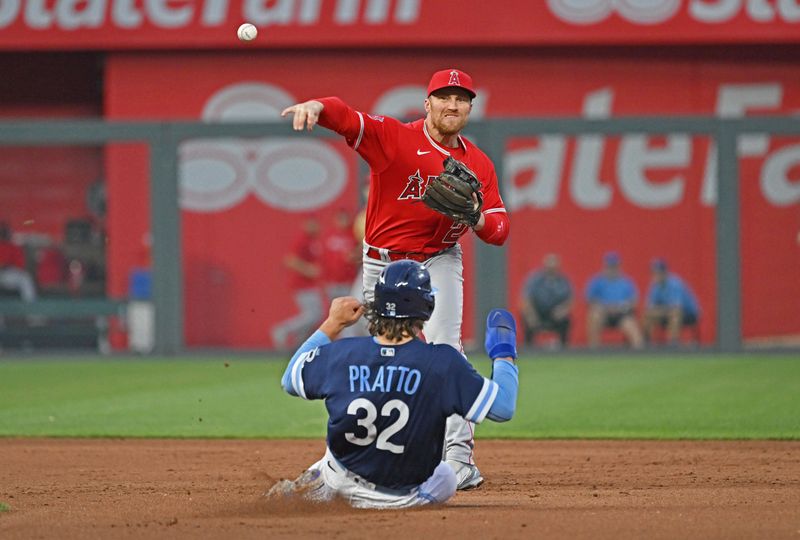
(247, 32)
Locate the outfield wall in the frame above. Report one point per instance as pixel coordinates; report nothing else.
(243, 202)
(645, 197)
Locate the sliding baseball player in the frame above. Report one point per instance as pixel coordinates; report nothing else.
(389, 396)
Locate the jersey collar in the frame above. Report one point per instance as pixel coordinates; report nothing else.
(436, 145)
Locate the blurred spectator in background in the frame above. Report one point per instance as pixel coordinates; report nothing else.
(51, 270)
(305, 271)
(671, 304)
(612, 298)
(84, 250)
(341, 256)
(547, 301)
(13, 273)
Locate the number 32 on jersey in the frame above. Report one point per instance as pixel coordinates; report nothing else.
(368, 423)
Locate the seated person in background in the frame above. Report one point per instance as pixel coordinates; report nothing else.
(547, 301)
(612, 298)
(671, 304)
(13, 275)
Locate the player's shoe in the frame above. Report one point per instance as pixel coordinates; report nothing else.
(303, 485)
(468, 476)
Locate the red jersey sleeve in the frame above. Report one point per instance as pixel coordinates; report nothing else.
(495, 230)
(11, 255)
(373, 137)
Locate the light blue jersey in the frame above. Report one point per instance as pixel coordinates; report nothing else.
(673, 292)
(608, 291)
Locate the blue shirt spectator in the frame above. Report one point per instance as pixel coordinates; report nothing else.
(547, 301)
(671, 304)
(612, 297)
(673, 292)
(612, 290)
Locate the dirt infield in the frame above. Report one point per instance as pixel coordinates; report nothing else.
(111, 488)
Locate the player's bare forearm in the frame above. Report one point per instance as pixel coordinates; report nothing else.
(344, 312)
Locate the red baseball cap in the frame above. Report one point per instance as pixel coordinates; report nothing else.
(447, 78)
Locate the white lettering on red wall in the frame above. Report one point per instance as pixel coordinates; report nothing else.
(719, 11)
(92, 24)
(649, 12)
(595, 11)
(167, 14)
(637, 160)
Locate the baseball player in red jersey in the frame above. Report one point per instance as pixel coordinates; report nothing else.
(303, 262)
(403, 158)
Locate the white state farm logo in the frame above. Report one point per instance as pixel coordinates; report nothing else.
(165, 14)
(649, 12)
(647, 175)
(218, 174)
(594, 11)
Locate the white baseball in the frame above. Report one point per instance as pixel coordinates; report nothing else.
(247, 32)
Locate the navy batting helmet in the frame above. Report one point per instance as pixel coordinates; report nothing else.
(404, 291)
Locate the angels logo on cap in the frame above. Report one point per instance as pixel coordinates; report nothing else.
(454, 78)
(448, 78)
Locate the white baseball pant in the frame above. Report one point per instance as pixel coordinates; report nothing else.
(18, 280)
(311, 310)
(334, 480)
(444, 326)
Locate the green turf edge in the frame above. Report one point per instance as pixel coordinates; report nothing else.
(516, 437)
(555, 396)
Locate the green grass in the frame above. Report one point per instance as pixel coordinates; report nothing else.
(663, 397)
(4, 507)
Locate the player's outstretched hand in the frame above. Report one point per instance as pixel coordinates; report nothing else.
(344, 312)
(501, 334)
(306, 115)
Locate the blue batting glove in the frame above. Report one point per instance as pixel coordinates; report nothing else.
(501, 335)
